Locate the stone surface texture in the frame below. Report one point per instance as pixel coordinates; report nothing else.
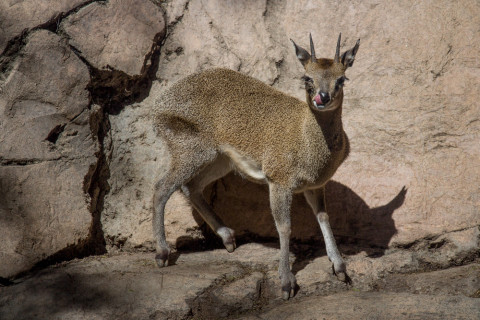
(218, 285)
(47, 151)
(410, 111)
(55, 141)
(138, 155)
(17, 16)
(79, 159)
(114, 35)
(372, 305)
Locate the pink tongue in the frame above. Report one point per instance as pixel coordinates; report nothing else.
(318, 99)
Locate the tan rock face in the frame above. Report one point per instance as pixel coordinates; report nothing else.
(139, 157)
(410, 111)
(47, 150)
(117, 34)
(55, 141)
(16, 16)
(205, 38)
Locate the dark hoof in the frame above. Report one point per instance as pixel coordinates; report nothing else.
(231, 245)
(162, 257)
(289, 287)
(228, 238)
(289, 291)
(342, 276)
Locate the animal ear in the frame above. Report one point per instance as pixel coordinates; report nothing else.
(301, 53)
(349, 56)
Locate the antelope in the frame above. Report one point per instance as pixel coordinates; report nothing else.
(220, 120)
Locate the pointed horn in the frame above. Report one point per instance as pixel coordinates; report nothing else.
(337, 52)
(312, 50)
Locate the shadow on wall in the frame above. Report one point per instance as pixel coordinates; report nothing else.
(244, 207)
(354, 221)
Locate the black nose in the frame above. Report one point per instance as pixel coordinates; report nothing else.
(325, 97)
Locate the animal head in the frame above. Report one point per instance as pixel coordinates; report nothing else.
(324, 78)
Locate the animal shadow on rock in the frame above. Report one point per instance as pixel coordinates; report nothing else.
(244, 206)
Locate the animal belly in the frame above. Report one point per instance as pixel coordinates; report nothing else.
(244, 165)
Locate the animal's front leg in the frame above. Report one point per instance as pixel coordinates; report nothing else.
(316, 200)
(280, 203)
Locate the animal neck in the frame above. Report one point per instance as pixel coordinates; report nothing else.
(328, 123)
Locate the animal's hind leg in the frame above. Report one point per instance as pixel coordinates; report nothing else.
(163, 190)
(184, 166)
(194, 190)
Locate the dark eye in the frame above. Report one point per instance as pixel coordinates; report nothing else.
(307, 79)
(340, 82)
(308, 84)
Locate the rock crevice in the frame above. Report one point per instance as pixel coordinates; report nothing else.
(86, 122)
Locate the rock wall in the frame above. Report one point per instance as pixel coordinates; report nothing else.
(63, 67)
(46, 153)
(78, 156)
(410, 113)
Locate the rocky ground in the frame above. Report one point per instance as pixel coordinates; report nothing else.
(214, 284)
